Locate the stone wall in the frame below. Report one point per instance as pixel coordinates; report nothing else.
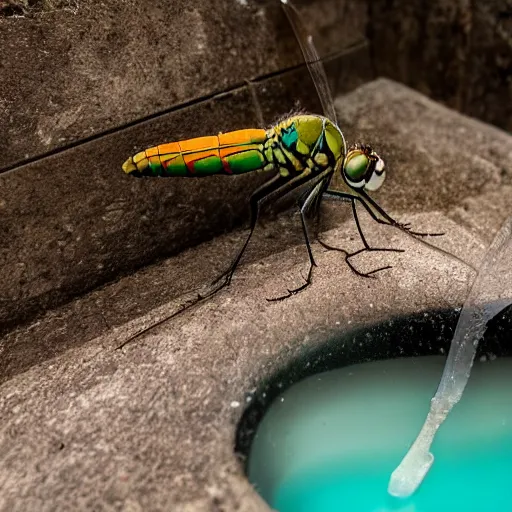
(458, 52)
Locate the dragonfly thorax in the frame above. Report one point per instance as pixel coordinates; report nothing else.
(306, 143)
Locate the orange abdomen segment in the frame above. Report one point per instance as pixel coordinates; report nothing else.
(234, 152)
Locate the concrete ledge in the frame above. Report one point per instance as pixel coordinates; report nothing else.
(152, 427)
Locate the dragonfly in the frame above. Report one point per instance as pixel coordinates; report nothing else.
(300, 151)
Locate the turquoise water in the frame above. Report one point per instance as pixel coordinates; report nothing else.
(478, 481)
(330, 442)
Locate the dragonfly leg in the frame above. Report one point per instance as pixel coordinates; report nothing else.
(258, 196)
(315, 205)
(305, 202)
(275, 188)
(366, 247)
(382, 217)
(376, 212)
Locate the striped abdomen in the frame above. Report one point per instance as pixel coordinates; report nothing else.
(235, 152)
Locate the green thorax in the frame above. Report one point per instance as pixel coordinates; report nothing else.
(306, 141)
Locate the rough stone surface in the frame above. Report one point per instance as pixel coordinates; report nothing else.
(458, 52)
(69, 74)
(152, 426)
(72, 221)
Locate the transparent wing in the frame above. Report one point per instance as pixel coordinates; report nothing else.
(312, 59)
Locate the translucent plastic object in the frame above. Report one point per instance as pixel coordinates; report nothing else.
(490, 293)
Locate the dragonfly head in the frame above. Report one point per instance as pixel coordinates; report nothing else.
(363, 168)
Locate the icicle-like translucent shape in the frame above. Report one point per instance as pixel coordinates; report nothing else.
(490, 293)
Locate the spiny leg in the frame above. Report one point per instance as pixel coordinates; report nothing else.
(366, 247)
(258, 196)
(277, 187)
(375, 210)
(186, 305)
(380, 216)
(305, 202)
(315, 205)
(274, 189)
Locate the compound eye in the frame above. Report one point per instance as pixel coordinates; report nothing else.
(356, 166)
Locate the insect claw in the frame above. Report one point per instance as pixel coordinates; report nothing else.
(416, 233)
(278, 299)
(367, 275)
(370, 274)
(331, 248)
(292, 292)
(407, 228)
